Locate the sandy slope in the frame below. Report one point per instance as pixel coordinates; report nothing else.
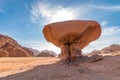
(52, 69)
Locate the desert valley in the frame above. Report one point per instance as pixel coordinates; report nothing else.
(47, 66)
(59, 39)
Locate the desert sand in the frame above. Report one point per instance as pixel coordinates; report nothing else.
(51, 68)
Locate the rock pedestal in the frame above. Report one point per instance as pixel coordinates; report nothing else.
(72, 36)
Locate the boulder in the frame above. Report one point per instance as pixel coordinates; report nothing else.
(72, 36)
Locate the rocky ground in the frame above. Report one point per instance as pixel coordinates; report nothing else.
(51, 68)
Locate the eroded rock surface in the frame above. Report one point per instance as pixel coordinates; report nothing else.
(72, 36)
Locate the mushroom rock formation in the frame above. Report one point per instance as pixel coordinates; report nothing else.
(72, 36)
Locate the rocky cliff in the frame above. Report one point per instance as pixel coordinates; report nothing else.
(10, 48)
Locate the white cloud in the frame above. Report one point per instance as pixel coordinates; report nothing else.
(111, 30)
(103, 23)
(50, 13)
(109, 7)
(101, 7)
(43, 13)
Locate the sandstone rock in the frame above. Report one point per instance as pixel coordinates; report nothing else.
(47, 53)
(10, 48)
(72, 36)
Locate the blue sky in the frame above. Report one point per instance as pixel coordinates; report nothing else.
(24, 20)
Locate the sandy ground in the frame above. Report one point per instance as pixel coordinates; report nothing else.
(12, 65)
(47, 68)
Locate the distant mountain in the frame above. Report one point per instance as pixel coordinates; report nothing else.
(36, 52)
(10, 48)
(113, 49)
(47, 53)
